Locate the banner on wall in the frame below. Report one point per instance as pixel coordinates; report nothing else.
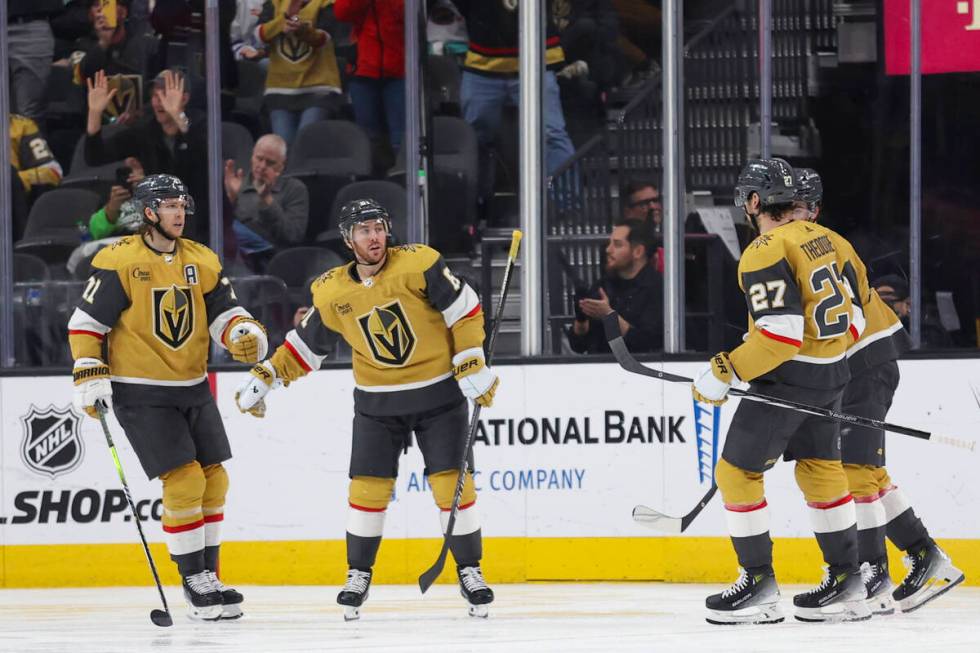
(566, 451)
(950, 32)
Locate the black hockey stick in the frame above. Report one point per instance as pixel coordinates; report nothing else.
(658, 521)
(158, 617)
(429, 575)
(630, 364)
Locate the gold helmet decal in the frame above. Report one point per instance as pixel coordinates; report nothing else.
(173, 315)
(389, 334)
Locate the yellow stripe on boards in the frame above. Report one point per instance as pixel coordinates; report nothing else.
(506, 560)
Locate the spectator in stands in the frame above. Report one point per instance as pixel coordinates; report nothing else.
(639, 39)
(894, 290)
(589, 29)
(303, 82)
(34, 165)
(631, 287)
(31, 156)
(270, 211)
(119, 217)
(130, 60)
(167, 141)
(490, 78)
(643, 202)
(30, 49)
(245, 43)
(377, 84)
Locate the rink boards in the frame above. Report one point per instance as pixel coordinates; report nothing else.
(562, 457)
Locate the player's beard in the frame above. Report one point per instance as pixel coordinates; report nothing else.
(364, 255)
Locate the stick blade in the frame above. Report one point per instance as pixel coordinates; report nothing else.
(429, 576)
(161, 618)
(657, 520)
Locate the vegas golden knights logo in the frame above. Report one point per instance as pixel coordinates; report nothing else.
(173, 315)
(389, 334)
(294, 49)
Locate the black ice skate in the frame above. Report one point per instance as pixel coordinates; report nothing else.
(475, 590)
(231, 600)
(931, 574)
(752, 599)
(878, 586)
(354, 593)
(840, 597)
(203, 598)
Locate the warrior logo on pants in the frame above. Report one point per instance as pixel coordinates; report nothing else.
(389, 334)
(173, 315)
(51, 444)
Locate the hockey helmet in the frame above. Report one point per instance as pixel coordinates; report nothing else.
(356, 212)
(809, 187)
(772, 179)
(152, 190)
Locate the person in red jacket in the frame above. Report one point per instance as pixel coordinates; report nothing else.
(377, 85)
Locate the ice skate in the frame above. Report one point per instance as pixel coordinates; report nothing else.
(840, 597)
(231, 599)
(354, 593)
(931, 574)
(475, 590)
(752, 599)
(878, 587)
(203, 598)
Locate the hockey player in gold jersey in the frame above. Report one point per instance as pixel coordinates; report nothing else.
(140, 337)
(803, 314)
(416, 332)
(881, 506)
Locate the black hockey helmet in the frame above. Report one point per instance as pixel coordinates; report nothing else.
(150, 191)
(772, 179)
(357, 211)
(809, 187)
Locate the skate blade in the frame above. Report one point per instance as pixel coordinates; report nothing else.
(835, 613)
(479, 611)
(881, 605)
(209, 613)
(935, 588)
(231, 611)
(768, 614)
(352, 613)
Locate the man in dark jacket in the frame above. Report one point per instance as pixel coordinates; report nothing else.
(631, 287)
(167, 141)
(30, 48)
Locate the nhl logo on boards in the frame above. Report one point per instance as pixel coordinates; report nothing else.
(388, 333)
(52, 443)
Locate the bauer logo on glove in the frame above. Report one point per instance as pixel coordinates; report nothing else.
(476, 381)
(713, 381)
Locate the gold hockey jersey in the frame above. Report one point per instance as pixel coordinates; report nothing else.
(154, 312)
(403, 324)
(804, 286)
(30, 154)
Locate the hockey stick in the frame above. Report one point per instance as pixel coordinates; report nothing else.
(658, 521)
(429, 575)
(158, 617)
(630, 364)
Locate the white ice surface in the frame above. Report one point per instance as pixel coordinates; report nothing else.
(529, 617)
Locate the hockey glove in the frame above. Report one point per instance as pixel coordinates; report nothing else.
(93, 390)
(477, 381)
(712, 383)
(250, 396)
(246, 340)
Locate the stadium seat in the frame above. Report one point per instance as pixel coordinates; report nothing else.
(52, 225)
(389, 194)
